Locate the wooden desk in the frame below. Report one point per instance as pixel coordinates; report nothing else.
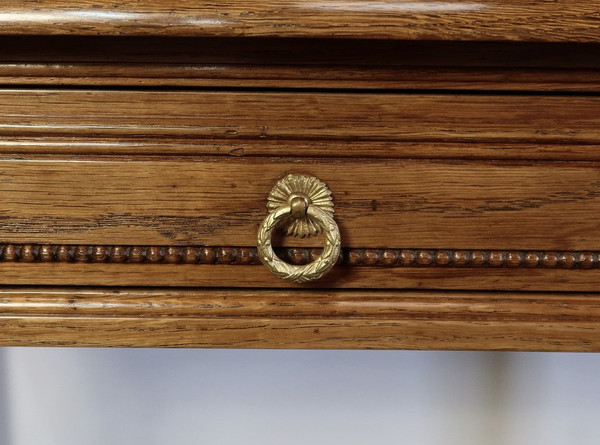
(460, 142)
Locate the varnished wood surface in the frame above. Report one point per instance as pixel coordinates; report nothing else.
(300, 319)
(378, 203)
(560, 20)
(341, 277)
(300, 123)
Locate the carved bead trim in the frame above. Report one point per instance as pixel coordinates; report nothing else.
(29, 253)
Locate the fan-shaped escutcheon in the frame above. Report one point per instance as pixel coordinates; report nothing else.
(313, 191)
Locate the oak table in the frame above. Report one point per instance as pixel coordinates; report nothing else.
(261, 174)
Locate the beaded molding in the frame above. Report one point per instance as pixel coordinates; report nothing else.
(31, 253)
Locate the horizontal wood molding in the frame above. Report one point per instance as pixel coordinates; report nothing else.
(560, 20)
(286, 117)
(299, 319)
(300, 124)
(243, 256)
(189, 266)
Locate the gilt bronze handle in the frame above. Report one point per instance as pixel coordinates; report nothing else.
(300, 206)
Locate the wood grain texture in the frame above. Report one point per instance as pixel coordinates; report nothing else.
(378, 203)
(300, 124)
(341, 277)
(560, 20)
(300, 319)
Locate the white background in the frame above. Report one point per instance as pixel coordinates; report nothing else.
(159, 396)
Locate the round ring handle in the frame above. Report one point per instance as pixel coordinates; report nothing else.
(308, 272)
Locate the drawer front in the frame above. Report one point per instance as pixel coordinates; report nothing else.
(433, 191)
(193, 221)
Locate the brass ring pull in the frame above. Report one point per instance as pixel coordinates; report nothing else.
(302, 206)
